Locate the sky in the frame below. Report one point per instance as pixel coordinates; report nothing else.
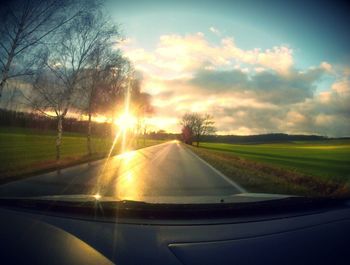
(255, 66)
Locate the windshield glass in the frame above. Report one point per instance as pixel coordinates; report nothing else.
(174, 101)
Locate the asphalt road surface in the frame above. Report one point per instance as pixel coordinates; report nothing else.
(168, 170)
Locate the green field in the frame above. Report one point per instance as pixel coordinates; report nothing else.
(317, 167)
(305, 168)
(329, 159)
(25, 152)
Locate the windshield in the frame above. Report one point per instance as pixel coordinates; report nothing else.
(174, 101)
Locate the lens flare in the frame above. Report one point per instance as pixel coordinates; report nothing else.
(97, 196)
(126, 121)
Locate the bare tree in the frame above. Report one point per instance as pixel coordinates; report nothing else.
(103, 82)
(49, 99)
(11, 98)
(141, 105)
(188, 123)
(64, 65)
(115, 90)
(24, 24)
(187, 135)
(195, 125)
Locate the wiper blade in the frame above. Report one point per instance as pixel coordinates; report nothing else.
(140, 209)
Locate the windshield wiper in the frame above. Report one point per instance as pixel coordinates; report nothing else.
(140, 209)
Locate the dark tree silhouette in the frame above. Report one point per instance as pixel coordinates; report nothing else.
(195, 125)
(25, 25)
(58, 85)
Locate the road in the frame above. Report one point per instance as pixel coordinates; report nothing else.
(165, 171)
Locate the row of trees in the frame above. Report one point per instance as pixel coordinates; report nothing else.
(39, 123)
(195, 126)
(66, 51)
(25, 26)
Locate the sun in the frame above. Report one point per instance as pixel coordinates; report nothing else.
(126, 121)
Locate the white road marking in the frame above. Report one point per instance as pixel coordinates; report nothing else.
(234, 184)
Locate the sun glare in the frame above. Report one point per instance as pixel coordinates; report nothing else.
(97, 196)
(126, 121)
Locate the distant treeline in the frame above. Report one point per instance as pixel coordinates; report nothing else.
(261, 138)
(40, 122)
(36, 121)
(161, 135)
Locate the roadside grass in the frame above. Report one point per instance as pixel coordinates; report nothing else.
(27, 152)
(305, 168)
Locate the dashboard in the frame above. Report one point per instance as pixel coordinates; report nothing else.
(313, 237)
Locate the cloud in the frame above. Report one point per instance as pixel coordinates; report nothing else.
(220, 80)
(258, 120)
(334, 101)
(279, 89)
(248, 91)
(215, 31)
(260, 103)
(326, 66)
(182, 54)
(278, 58)
(327, 113)
(265, 86)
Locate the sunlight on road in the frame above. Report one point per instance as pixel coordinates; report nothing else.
(127, 185)
(121, 163)
(120, 177)
(127, 156)
(131, 175)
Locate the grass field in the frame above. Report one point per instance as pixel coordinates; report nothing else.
(305, 168)
(25, 152)
(321, 167)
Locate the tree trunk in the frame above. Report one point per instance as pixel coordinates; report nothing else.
(5, 71)
(59, 137)
(2, 84)
(89, 136)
